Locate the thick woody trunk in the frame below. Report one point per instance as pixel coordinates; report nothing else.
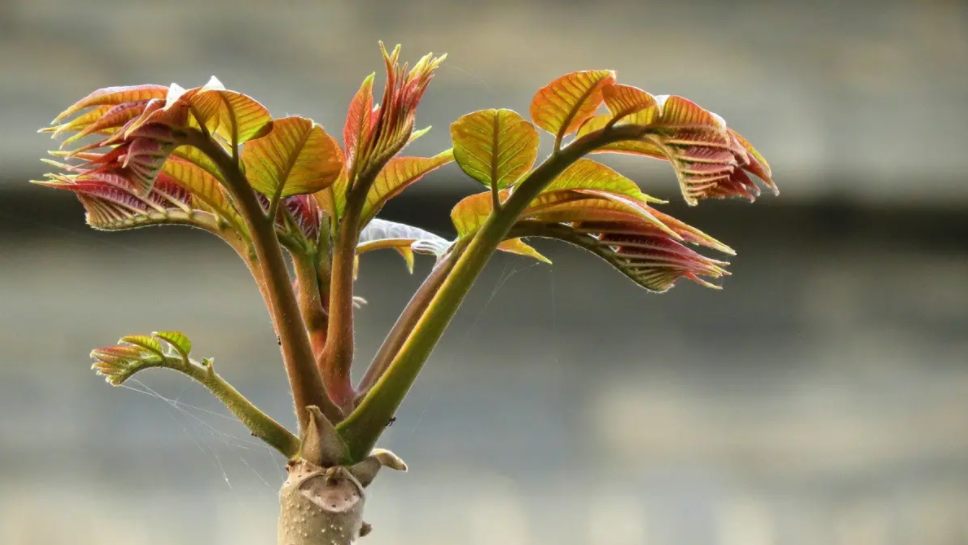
(320, 506)
(321, 502)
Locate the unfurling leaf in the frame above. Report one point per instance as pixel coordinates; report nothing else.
(710, 159)
(113, 204)
(495, 147)
(117, 363)
(405, 239)
(399, 174)
(374, 134)
(645, 255)
(113, 96)
(302, 219)
(596, 208)
(297, 156)
(564, 104)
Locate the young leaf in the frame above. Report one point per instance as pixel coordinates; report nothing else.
(113, 204)
(625, 100)
(643, 254)
(297, 156)
(710, 159)
(177, 340)
(117, 363)
(145, 342)
(471, 212)
(235, 117)
(585, 174)
(495, 147)
(304, 212)
(205, 188)
(113, 96)
(564, 104)
(399, 174)
(358, 120)
(518, 246)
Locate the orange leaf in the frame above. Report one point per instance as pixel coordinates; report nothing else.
(399, 174)
(357, 125)
(296, 157)
(495, 147)
(469, 214)
(625, 100)
(564, 104)
(681, 113)
(114, 96)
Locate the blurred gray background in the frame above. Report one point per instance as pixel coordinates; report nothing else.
(821, 398)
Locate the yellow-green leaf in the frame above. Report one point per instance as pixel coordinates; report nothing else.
(235, 117)
(564, 104)
(399, 174)
(471, 212)
(518, 246)
(296, 157)
(495, 147)
(203, 186)
(145, 342)
(585, 174)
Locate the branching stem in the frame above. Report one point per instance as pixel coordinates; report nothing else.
(307, 385)
(363, 427)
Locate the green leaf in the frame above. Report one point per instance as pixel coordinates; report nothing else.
(399, 174)
(495, 147)
(296, 157)
(177, 340)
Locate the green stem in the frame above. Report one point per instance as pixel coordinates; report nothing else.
(307, 385)
(365, 424)
(408, 319)
(259, 423)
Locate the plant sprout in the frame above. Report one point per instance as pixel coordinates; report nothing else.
(285, 195)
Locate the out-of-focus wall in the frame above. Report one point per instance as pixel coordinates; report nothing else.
(848, 99)
(820, 398)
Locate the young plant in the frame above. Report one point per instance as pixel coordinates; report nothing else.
(269, 187)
